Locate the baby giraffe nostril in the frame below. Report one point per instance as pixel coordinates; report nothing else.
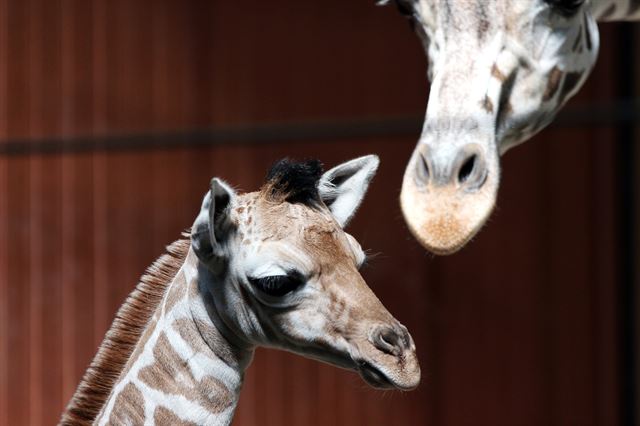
(389, 341)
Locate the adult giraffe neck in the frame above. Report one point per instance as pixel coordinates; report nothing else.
(183, 370)
(615, 10)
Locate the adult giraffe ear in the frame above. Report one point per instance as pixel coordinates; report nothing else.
(404, 6)
(211, 227)
(343, 187)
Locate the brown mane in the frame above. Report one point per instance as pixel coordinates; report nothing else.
(125, 331)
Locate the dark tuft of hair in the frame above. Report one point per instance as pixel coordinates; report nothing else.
(294, 181)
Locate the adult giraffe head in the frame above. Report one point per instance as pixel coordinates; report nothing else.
(500, 70)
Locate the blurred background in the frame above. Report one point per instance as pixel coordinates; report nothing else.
(115, 114)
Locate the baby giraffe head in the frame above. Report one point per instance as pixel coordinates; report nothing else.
(277, 269)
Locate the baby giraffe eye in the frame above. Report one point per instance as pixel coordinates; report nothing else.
(278, 285)
(566, 7)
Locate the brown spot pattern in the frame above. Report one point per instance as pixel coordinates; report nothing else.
(483, 27)
(128, 407)
(487, 104)
(609, 12)
(186, 328)
(163, 416)
(552, 84)
(496, 73)
(171, 374)
(203, 337)
(140, 346)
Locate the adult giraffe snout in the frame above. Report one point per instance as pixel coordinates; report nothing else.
(448, 193)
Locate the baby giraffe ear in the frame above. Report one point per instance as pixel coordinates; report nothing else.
(211, 227)
(343, 187)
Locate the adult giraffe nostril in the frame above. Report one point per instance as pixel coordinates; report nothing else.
(467, 169)
(471, 170)
(423, 173)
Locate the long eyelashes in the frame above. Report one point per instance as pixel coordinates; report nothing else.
(281, 285)
(278, 285)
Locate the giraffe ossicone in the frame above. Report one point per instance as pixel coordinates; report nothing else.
(268, 268)
(500, 70)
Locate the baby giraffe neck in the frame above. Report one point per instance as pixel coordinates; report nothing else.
(183, 370)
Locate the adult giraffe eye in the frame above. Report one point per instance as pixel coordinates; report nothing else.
(566, 7)
(278, 285)
(405, 8)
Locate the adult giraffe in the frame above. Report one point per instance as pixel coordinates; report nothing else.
(268, 268)
(499, 70)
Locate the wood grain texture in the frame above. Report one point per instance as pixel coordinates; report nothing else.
(518, 328)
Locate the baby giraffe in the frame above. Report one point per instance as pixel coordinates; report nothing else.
(268, 268)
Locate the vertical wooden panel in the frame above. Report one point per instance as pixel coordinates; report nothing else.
(65, 15)
(36, 289)
(636, 344)
(18, 275)
(4, 231)
(5, 324)
(80, 80)
(99, 89)
(4, 225)
(53, 288)
(18, 271)
(604, 260)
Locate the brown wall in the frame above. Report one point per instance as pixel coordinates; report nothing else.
(518, 328)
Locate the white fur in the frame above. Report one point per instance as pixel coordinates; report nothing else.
(345, 197)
